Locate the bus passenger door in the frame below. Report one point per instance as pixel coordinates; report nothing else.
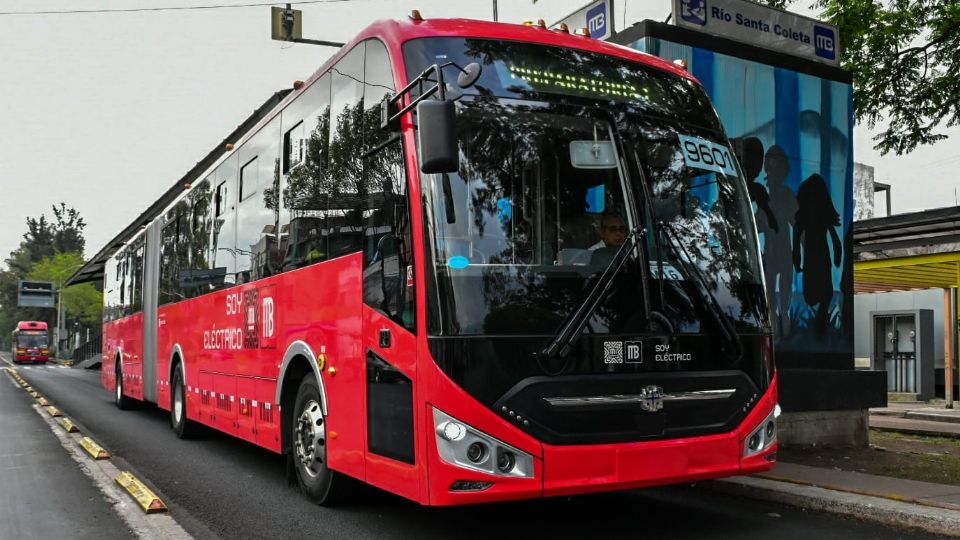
(391, 358)
(389, 342)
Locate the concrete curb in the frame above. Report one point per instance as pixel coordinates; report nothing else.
(917, 431)
(874, 509)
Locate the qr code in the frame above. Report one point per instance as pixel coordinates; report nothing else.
(612, 352)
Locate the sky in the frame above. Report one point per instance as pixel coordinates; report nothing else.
(105, 111)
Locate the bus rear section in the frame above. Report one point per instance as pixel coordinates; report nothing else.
(31, 342)
(540, 279)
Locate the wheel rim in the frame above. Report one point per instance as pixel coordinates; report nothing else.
(311, 439)
(178, 403)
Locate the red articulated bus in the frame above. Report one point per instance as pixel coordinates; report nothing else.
(30, 342)
(463, 262)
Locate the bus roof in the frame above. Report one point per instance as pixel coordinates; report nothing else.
(31, 325)
(395, 32)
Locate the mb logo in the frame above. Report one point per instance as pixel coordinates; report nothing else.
(694, 11)
(597, 21)
(825, 42)
(633, 352)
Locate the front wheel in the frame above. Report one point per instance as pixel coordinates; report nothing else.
(181, 425)
(309, 450)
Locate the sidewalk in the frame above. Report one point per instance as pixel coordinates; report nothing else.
(900, 502)
(934, 508)
(43, 492)
(917, 419)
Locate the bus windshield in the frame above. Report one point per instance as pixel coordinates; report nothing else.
(563, 152)
(31, 341)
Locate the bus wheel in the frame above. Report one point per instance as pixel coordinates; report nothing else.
(182, 426)
(123, 402)
(309, 450)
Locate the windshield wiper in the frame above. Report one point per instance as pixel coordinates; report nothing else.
(728, 332)
(573, 326)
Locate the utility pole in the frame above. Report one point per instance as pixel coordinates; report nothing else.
(494, 10)
(59, 308)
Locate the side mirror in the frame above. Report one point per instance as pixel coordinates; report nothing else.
(468, 76)
(438, 137)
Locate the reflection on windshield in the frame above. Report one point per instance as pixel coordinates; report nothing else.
(548, 136)
(696, 192)
(536, 211)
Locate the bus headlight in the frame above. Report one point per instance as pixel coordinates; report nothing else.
(463, 446)
(763, 436)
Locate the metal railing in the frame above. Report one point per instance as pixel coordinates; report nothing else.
(93, 348)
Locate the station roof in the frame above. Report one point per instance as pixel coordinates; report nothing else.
(92, 270)
(919, 250)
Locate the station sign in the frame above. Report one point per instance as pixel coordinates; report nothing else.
(596, 17)
(765, 27)
(40, 294)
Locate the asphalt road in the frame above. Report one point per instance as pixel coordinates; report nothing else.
(43, 492)
(221, 487)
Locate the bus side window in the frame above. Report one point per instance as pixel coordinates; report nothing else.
(197, 278)
(344, 217)
(303, 231)
(387, 244)
(257, 212)
(223, 236)
(136, 276)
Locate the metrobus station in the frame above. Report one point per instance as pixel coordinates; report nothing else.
(520, 258)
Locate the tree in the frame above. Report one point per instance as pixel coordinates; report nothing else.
(905, 65)
(49, 251)
(80, 301)
(68, 229)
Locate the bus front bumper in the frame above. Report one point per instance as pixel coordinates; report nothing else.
(578, 469)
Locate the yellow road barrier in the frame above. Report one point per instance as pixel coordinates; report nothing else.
(43, 402)
(95, 450)
(53, 411)
(147, 499)
(67, 425)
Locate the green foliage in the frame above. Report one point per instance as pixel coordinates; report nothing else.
(81, 302)
(905, 63)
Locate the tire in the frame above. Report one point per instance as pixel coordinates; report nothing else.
(122, 402)
(179, 422)
(308, 452)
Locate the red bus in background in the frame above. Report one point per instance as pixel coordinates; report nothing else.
(31, 342)
(463, 262)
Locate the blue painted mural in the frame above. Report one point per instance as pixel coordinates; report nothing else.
(793, 134)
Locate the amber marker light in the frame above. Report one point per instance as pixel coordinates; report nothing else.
(297, 85)
(564, 28)
(415, 15)
(229, 147)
